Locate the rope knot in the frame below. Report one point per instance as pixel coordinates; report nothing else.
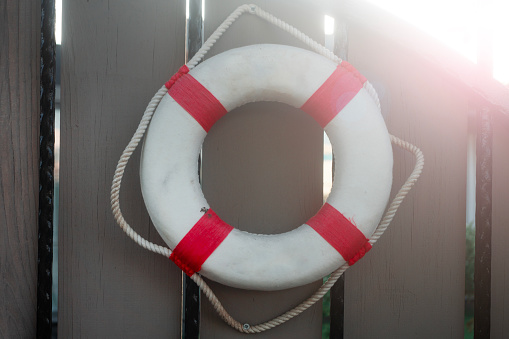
(182, 70)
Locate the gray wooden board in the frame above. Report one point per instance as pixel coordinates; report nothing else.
(500, 229)
(263, 187)
(115, 56)
(479, 85)
(411, 285)
(19, 166)
(262, 170)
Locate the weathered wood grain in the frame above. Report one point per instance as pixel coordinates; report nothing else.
(115, 56)
(262, 170)
(19, 166)
(500, 229)
(263, 186)
(411, 285)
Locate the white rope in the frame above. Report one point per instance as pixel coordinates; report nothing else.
(382, 226)
(253, 9)
(119, 173)
(142, 127)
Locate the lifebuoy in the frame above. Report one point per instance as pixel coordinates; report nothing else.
(334, 95)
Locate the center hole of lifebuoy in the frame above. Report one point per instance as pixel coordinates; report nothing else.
(262, 168)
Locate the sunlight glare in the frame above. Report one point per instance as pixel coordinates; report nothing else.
(457, 24)
(328, 26)
(58, 22)
(327, 166)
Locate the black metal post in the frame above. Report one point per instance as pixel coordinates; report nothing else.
(46, 166)
(337, 309)
(191, 291)
(482, 271)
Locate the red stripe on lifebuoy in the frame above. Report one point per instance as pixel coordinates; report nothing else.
(202, 105)
(200, 242)
(334, 94)
(340, 233)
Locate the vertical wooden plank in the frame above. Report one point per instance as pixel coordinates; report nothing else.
(306, 16)
(19, 165)
(411, 285)
(500, 229)
(483, 193)
(262, 170)
(115, 56)
(253, 196)
(337, 292)
(483, 213)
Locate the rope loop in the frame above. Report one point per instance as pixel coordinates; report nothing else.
(142, 127)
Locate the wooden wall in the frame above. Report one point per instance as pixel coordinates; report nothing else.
(262, 170)
(500, 229)
(411, 285)
(20, 23)
(115, 56)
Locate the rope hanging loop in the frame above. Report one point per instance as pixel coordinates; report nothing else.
(313, 107)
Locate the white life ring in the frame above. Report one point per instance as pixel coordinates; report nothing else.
(363, 171)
